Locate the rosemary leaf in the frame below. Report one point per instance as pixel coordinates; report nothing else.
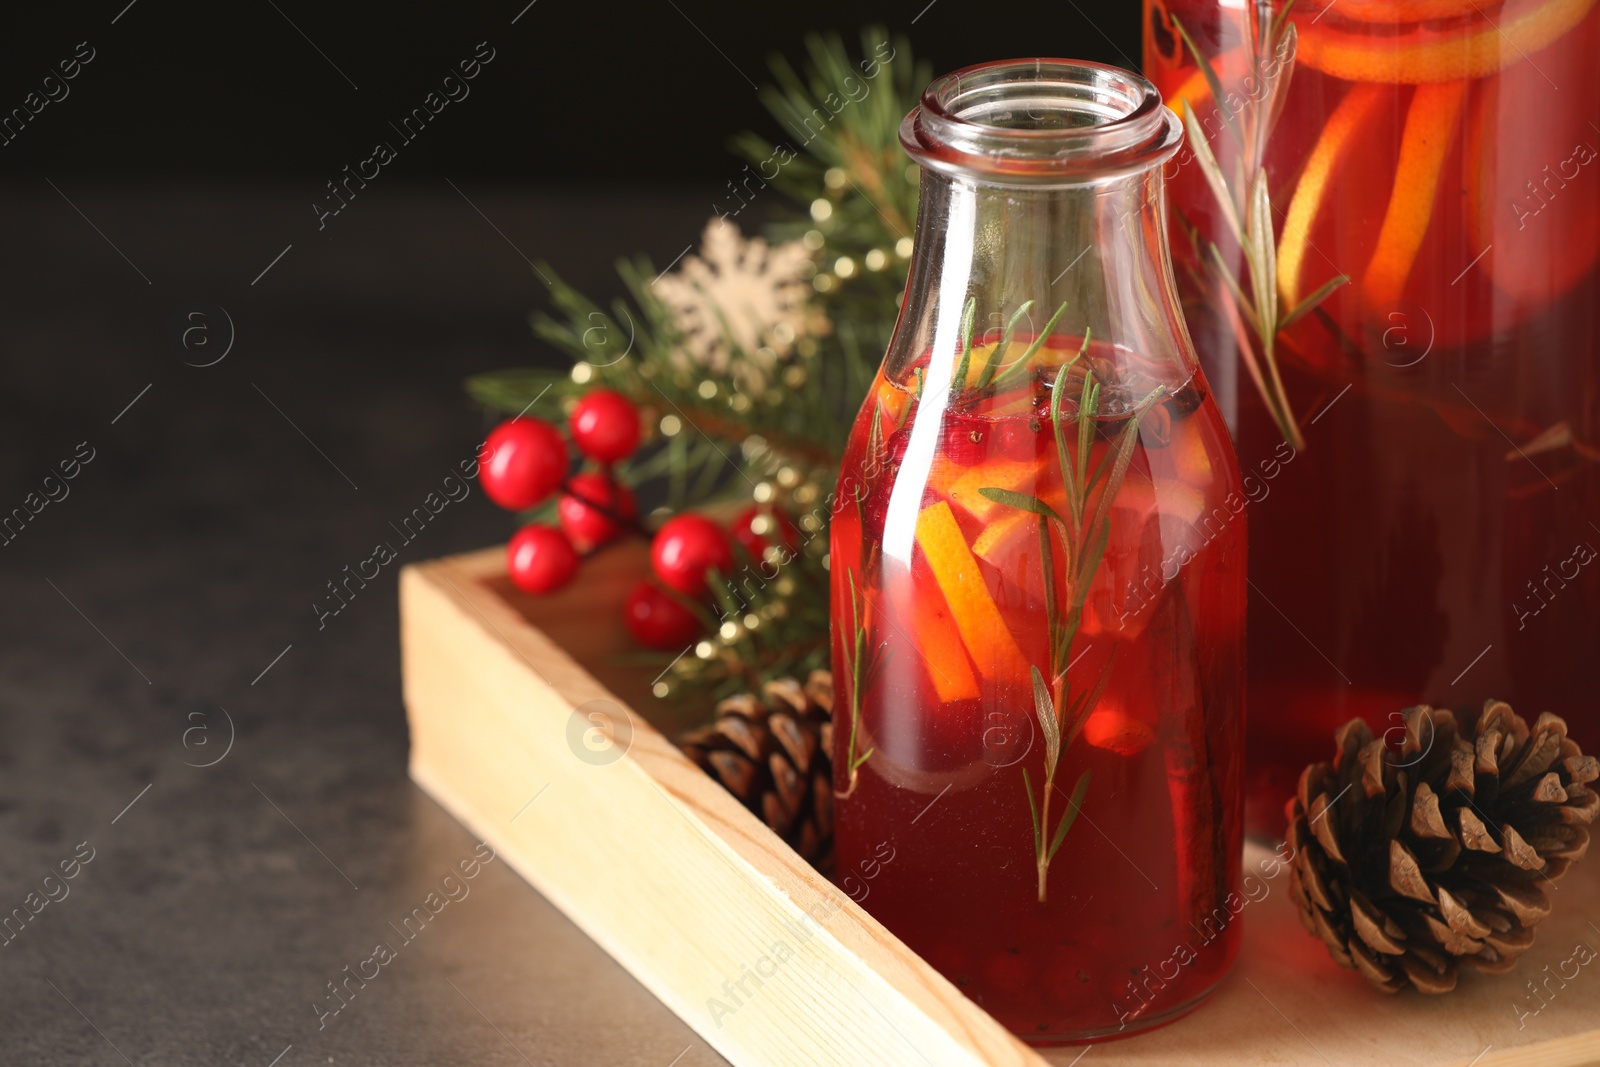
(1223, 271)
(857, 681)
(1247, 355)
(875, 432)
(1089, 700)
(1063, 456)
(1069, 633)
(1218, 97)
(1212, 170)
(1088, 407)
(1306, 306)
(1097, 533)
(968, 316)
(1280, 19)
(992, 364)
(1075, 707)
(1263, 262)
(1048, 557)
(1284, 53)
(1033, 809)
(1049, 725)
(1150, 400)
(1021, 501)
(1020, 365)
(860, 641)
(1098, 529)
(1074, 805)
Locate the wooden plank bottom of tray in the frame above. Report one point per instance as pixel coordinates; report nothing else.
(530, 726)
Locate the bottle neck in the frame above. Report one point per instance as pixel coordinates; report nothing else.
(1094, 251)
(1091, 258)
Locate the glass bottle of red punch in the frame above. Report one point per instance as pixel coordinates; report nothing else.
(1038, 558)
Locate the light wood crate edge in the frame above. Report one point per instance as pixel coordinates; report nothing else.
(699, 900)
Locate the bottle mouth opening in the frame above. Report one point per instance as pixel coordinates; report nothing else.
(1040, 121)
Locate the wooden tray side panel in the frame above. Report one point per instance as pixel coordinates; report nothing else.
(772, 964)
(693, 895)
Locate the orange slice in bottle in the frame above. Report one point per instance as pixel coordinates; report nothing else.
(982, 628)
(892, 400)
(923, 613)
(1131, 565)
(1010, 545)
(1009, 533)
(1424, 53)
(1188, 452)
(1395, 12)
(1016, 475)
(1429, 133)
(1349, 118)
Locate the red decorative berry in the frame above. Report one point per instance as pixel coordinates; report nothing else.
(965, 440)
(685, 548)
(541, 559)
(772, 521)
(522, 463)
(588, 526)
(605, 426)
(656, 620)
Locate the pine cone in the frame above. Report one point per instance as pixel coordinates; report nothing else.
(774, 754)
(1406, 863)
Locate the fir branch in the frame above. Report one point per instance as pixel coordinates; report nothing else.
(839, 115)
(634, 350)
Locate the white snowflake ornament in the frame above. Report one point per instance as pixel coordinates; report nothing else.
(740, 305)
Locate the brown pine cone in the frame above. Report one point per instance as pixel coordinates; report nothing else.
(775, 754)
(1408, 862)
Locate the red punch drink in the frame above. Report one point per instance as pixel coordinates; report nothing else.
(1038, 554)
(1433, 538)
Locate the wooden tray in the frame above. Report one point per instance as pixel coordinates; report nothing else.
(589, 801)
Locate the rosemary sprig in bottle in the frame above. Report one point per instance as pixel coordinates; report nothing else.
(862, 664)
(1084, 531)
(998, 373)
(1254, 316)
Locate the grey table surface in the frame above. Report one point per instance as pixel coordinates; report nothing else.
(162, 608)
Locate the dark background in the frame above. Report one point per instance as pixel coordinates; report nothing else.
(631, 93)
(172, 589)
